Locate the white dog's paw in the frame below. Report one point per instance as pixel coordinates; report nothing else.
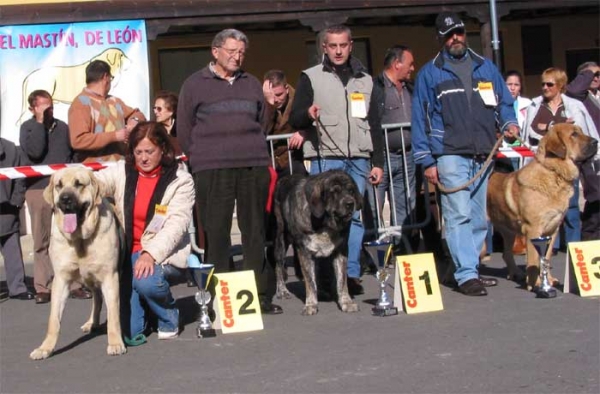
(40, 354)
(88, 327)
(283, 293)
(116, 350)
(350, 307)
(310, 310)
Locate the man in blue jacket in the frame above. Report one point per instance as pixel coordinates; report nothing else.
(460, 99)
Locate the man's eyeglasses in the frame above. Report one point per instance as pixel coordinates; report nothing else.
(157, 109)
(549, 84)
(232, 52)
(597, 74)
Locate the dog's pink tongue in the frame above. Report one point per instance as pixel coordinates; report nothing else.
(69, 223)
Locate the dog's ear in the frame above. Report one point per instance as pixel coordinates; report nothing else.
(314, 196)
(49, 192)
(96, 189)
(553, 145)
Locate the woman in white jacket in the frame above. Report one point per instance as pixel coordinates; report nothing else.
(154, 201)
(553, 106)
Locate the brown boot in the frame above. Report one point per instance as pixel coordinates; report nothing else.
(520, 245)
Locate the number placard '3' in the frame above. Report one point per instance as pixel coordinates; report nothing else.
(419, 282)
(237, 300)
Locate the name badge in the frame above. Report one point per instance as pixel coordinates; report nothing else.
(358, 105)
(158, 221)
(486, 91)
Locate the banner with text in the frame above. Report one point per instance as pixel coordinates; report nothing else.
(54, 58)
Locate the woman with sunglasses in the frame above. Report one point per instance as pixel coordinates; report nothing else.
(165, 108)
(553, 106)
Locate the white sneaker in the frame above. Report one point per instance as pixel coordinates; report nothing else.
(168, 334)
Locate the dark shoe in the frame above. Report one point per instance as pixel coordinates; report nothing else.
(42, 298)
(26, 295)
(354, 287)
(80, 294)
(472, 287)
(268, 308)
(488, 282)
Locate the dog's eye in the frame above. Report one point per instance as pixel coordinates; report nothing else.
(336, 189)
(77, 183)
(59, 185)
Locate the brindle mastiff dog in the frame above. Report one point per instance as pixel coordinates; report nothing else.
(314, 214)
(84, 245)
(534, 200)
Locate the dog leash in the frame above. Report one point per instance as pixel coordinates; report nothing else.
(483, 168)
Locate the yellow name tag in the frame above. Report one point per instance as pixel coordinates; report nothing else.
(357, 97)
(419, 282)
(237, 301)
(486, 91)
(484, 86)
(160, 209)
(585, 257)
(358, 105)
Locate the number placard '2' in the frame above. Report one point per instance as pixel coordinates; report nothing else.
(419, 282)
(237, 300)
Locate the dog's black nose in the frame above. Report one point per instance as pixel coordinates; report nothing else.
(67, 202)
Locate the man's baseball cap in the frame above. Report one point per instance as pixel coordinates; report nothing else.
(448, 21)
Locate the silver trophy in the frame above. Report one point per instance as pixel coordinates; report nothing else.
(202, 274)
(379, 251)
(541, 245)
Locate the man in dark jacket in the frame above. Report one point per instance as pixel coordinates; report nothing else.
(391, 104)
(12, 196)
(458, 98)
(44, 140)
(586, 88)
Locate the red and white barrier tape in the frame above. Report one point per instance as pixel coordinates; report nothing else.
(49, 169)
(517, 152)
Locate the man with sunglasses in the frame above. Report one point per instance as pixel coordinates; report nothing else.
(220, 126)
(458, 97)
(586, 88)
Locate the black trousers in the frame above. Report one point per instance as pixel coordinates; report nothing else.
(217, 192)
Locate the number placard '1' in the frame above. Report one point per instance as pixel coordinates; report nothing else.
(237, 300)
(419, 282)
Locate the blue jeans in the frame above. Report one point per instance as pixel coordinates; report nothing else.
(464, 213)
(358, 169)
(405, 202)
(572, 222)
(155, 292)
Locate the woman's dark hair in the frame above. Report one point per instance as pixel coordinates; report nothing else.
(515, 73)
(157, 134)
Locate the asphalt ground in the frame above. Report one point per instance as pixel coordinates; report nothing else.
(506, 342)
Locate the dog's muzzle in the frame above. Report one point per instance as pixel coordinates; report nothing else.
(68, 203)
